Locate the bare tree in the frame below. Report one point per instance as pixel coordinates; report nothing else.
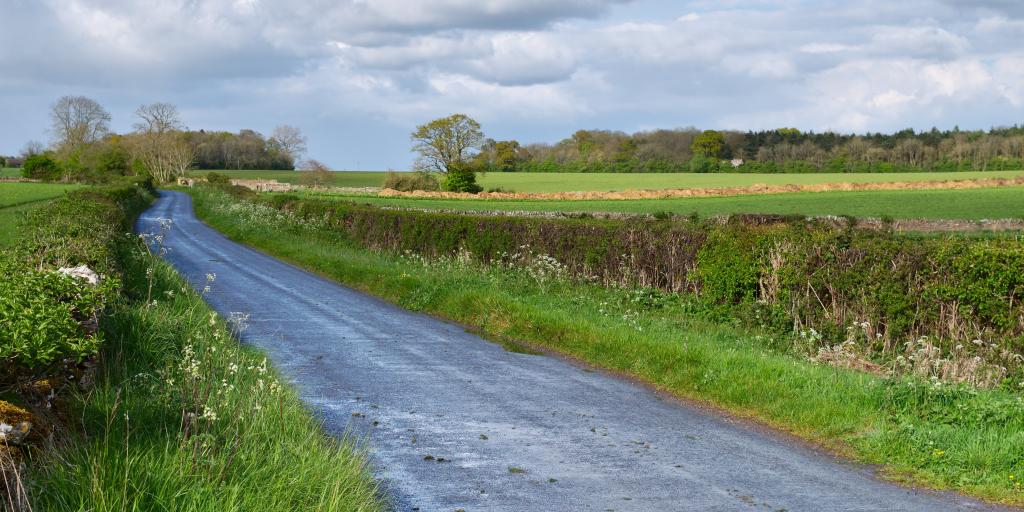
(290, 141)
(157, 118)
(314, 174)
(159, 142)
(78, 120)
(32, 148)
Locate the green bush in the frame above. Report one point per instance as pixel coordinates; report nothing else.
(216, 178)
(41, 167)
(461, 180)
(45, 318)
(407, 182)
(766, 271)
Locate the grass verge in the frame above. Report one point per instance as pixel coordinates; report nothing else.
(179, 415)
(929, 433)
(184, 418)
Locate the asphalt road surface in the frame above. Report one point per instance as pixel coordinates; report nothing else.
(457, 422)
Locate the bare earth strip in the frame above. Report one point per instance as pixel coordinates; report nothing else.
(719, 191)
(457, 422)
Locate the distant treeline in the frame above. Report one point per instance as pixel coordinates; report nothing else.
(785, 150)
(247, 149)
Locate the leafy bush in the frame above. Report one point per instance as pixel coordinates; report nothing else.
(407, 182)
(770, 272)
(460, 179)
(41, 167)
(216, 178)
(46, 318)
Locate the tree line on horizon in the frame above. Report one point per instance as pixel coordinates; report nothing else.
(784, 150)
(84, 148)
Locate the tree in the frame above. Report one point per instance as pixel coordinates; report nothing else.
(159, 143)
(708, 144)
(445, 143)
(32, 148)
(78, 121)
(41, 167)
(314, 174)
(506, 155)
(157, 118)
(289, 141)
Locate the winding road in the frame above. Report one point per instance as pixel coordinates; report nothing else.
(457, 422)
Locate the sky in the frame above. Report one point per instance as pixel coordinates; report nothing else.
(358, 75)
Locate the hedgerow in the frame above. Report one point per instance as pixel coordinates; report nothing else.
(46, 317)
(869, 296)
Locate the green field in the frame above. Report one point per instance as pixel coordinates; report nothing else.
(13, 194)
(566, 182)
(339, 179)
(10, 172)
(18, 198)
(969, 204)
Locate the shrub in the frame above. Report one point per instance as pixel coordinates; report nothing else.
(461, 180)
(216, 178)
(47, 318)
(407, 182)
(41, 167)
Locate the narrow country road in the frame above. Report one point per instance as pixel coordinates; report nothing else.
(516, 432)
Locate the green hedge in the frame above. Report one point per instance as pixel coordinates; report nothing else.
(47, 318)
(826, 275)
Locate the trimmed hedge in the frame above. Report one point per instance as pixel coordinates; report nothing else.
(820, 274)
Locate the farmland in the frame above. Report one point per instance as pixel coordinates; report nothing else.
(565, 182)
(975, 204)
(9, 172)
(16, 199)
(14, 194)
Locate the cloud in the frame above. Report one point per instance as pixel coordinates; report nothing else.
(530, 69)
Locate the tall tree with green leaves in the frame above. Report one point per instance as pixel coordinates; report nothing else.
(709, 143)
(446, 143)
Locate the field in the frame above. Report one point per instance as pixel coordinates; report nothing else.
(358, 179)
(973, 204)
(566, 182)
(18, 198)
(14, 194)
(9, 172)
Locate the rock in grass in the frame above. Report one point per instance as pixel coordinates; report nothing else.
(15, 423)
(81, 272)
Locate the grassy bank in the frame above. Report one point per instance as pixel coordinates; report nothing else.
(971, 204)
(927, 432)
(171, 413)
(183, 418)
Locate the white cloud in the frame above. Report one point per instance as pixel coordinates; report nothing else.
(543, 66)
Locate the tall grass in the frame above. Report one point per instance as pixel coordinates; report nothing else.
(184, 418)
(928, 432)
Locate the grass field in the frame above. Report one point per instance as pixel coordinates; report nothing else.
(920, 432)
(16, 199)
(10, 172)
(970, 204)
(13, 194)
(566, 182)
(338, 179)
